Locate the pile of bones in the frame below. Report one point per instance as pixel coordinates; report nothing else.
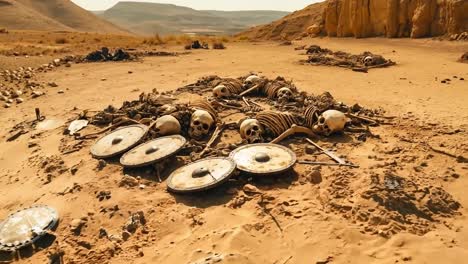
(366, 60)
(272, 110)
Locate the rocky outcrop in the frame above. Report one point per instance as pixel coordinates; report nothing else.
(371, 18)
(395, 18)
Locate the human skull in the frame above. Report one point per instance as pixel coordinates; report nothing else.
(251, 79)
(284, 94)
(330, 121)
(221, 91)
(200, 124)
(251, 130)
(167, 125)
(368, 60)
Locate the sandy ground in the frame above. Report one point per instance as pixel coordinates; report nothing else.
(186, 229)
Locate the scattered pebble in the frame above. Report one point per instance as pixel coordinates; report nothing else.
(249, 188)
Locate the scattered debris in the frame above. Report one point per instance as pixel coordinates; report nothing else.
(76, 126)
(105, 55)
(197, 45)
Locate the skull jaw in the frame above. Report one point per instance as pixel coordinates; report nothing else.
(284, 99)
(255, 139)
(197, 134)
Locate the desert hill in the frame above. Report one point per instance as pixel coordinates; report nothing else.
(364, 18)
(151, 18)
(51, 15)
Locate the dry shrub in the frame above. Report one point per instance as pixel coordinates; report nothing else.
(155, 40)
(61, 41)
(218, 45)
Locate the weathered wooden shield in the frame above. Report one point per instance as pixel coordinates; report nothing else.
(153, 151)
(201, 175)
(24, 227)
(119, 141)
(263, 158)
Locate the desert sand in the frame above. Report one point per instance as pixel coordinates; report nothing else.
(298, 218)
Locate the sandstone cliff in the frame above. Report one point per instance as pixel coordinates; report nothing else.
(395, 18)
(370, 18)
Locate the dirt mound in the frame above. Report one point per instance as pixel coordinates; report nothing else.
(51, 15)
(358, 18)
(388, 204)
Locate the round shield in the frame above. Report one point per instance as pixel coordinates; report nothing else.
(24, 227)
(119, 141)
(263, 158)
(201, 175)
(153, 151)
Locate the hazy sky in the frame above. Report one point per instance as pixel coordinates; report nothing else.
(286, 5)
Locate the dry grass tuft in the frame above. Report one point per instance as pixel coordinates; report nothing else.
(218, 45)
(61, 41)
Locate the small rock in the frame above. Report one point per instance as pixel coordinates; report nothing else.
(60, 91)
(315, 176)
(7, 105)
(249, 188)
(52, 84)
(103, 79)
(142, 186)
(32, 143)
(130, 72)
(68, 65)
(126, 235)
(128, 181)
(16, 93)
(101, 164)
(76, 225)
(19, 100)
(37, 94)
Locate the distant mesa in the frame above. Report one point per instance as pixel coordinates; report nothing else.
(364, 18)
(52, 15)
(152, 18)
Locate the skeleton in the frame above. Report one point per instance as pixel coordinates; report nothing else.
(269, 124)
(227, 88)
(279, 126)
(252, 131)
(167, 125)
(329, 122)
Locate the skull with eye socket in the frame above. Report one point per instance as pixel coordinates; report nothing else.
(221, 91)
(368, 61)
(252, 131)
(284, 95)
(201, 122)
(329, 122)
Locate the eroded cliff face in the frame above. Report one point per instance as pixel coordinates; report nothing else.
(370, 18)
(395, 18)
